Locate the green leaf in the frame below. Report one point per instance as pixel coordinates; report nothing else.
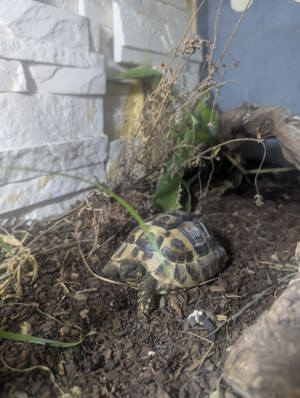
(38, 340)
(168, 192)
(6, 247)
(139, 72)
(207, 115)
(194, 130)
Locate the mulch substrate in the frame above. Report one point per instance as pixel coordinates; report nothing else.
(128, 357)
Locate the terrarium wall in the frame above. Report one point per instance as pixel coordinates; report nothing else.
(263, 57)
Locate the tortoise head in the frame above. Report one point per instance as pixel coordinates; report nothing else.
(126, 271)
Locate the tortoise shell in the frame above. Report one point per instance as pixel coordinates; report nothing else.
(188, 253)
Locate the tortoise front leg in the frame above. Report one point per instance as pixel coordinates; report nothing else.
(147, 295)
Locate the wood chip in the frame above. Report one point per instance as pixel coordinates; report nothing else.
(221, 317)
(217, 288)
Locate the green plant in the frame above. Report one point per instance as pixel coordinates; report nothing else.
(191, 134)
(23, 338)
(6, 247)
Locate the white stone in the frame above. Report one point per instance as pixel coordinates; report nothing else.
(115, 166)
(106, 45)
(39, 119)
(144, 26)
(97, 10)
(53, 208)
(19, 165)
(48, 187)
(33, 31)
(41, 25)
(19, 49)
(141, 26)
(177, 3)
(95, 36)
(12, 76)
(189, 77)
(49, 209)
(65, 80)
(119, 165)
(99, 13)
(71, 5)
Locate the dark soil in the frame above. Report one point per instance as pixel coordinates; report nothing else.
(127, 356)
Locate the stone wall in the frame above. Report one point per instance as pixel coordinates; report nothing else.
(55, 58)
(51, 88)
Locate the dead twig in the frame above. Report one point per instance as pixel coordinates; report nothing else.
(18, 263)
(36, 367)
(199, 363)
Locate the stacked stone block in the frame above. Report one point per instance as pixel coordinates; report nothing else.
(51, 89)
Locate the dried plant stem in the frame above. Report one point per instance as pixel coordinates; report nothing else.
(213, 44)
(36, 367)
(201, 361)
(233, 33)
(274, 170)
(17, 263)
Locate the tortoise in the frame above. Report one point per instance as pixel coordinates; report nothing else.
(187, 253)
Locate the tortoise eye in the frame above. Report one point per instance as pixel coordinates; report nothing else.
(132, 267)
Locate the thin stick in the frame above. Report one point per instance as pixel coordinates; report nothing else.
(214, 41)
(233, 33)
(201, 361)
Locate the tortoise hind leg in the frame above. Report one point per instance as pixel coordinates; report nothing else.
(147, 296)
